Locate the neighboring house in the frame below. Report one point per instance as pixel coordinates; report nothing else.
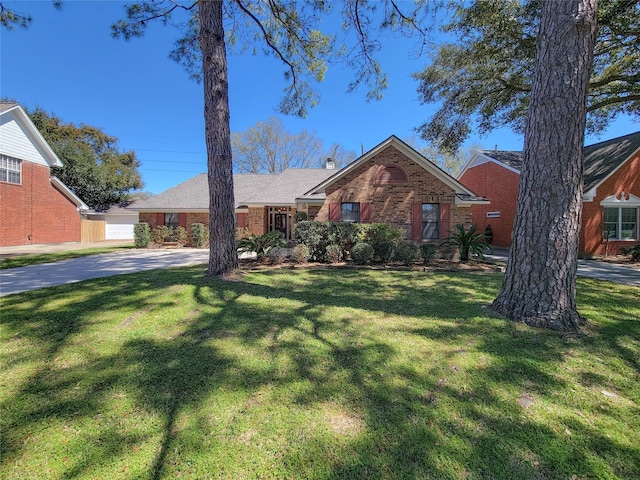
(611, 210)
(118, 222)
(35, 208)
(392, 183)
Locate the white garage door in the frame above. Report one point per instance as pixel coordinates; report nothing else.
(118, 231)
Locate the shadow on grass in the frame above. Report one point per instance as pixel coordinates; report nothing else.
(306, 337)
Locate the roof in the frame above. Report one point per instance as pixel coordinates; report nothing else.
(249, 189)
(463, 194)
(601, 159)
(34, 134)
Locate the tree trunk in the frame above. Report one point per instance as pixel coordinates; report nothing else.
(539, 286)
(223, 256)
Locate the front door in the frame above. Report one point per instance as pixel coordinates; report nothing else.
(280, 223)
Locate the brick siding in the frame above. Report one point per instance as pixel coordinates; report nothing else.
(392, 203)
(36, 212)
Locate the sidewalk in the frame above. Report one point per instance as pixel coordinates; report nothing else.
(614, 272)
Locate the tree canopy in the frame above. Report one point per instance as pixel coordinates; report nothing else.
(268, 147)
(483, 77)
(94, 167)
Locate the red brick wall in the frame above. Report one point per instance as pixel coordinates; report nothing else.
(627, 180)
(191, 217)
(391, 203)
(36, 212)
(499, 185)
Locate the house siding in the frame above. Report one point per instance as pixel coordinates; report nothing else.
(626, 179)
(17, 143)
(392, 203)
(35, 212)
(503, 195)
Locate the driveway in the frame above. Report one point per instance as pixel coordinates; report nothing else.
(16, 280)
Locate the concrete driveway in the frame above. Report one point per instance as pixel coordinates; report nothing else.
(16, 280)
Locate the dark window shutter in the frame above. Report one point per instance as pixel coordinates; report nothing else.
(445, 228)
(182, 220)
(416, 221)
(365, 212)
(334, 212)
(159, 219)
(242, 220)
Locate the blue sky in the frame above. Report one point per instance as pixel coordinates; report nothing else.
(68, 63)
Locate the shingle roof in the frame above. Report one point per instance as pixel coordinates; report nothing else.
(4, 106)
(600, 159)
(249, 189)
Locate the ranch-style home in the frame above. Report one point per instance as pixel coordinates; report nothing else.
(611, 209)
(392, 183)
(35, 207)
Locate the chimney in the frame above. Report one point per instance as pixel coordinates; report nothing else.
(330, 164)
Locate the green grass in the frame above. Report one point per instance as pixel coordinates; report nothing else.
(313, 375)
(37, 258)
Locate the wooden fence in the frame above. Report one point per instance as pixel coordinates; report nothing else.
(92, 231)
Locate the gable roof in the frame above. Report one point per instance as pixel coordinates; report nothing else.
(66, 191)
(249, 189)
(463, 194)
(601, 160)
(15, 125)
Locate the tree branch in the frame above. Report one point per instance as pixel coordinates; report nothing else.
(612, 101)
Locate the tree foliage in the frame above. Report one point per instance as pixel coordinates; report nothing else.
(268, 147)
(483, 77)
(94, 167)
(11, 18)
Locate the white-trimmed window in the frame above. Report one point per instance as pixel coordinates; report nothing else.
(10, 170)
(430, 221)
(621, 217)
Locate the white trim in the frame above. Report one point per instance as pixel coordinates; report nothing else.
(614, 201)
(479, 158)
(69, 194)
(409, 152)
(620, 165)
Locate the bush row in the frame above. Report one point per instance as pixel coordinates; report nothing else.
(143, 235)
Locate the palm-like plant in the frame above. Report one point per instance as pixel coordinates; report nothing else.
(261, 244)
(468, 241)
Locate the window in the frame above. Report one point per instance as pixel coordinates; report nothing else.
(171, 220)
(390, 174)
(621, 223)
(430, 221)
(350, 212)
(10, 170)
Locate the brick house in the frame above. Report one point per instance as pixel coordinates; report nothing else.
(35, 207)
(392, 183)
(611, 209)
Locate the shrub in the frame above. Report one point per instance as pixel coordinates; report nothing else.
(199, 235)
(314, 235)
(242, 232)
(428, 251)
(634, 252)
(179, 234)
(261, 244)
(468, 241)
(362, 253)
(343, 234)
(300, 253)
(141, 235)
(386, 250)
(334, 253)
(407, 253)
(381, 233)
(160, 233)
(301, 216)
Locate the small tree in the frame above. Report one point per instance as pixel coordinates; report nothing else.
(468, 241)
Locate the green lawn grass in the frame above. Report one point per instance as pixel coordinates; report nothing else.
(313, 374)
(37, 258)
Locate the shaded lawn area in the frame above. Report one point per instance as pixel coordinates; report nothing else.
(313, 374)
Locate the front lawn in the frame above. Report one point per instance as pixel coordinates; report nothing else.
(313, 374)
(38, 258)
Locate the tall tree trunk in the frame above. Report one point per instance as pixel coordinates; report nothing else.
(539, 286)
(223, 256)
